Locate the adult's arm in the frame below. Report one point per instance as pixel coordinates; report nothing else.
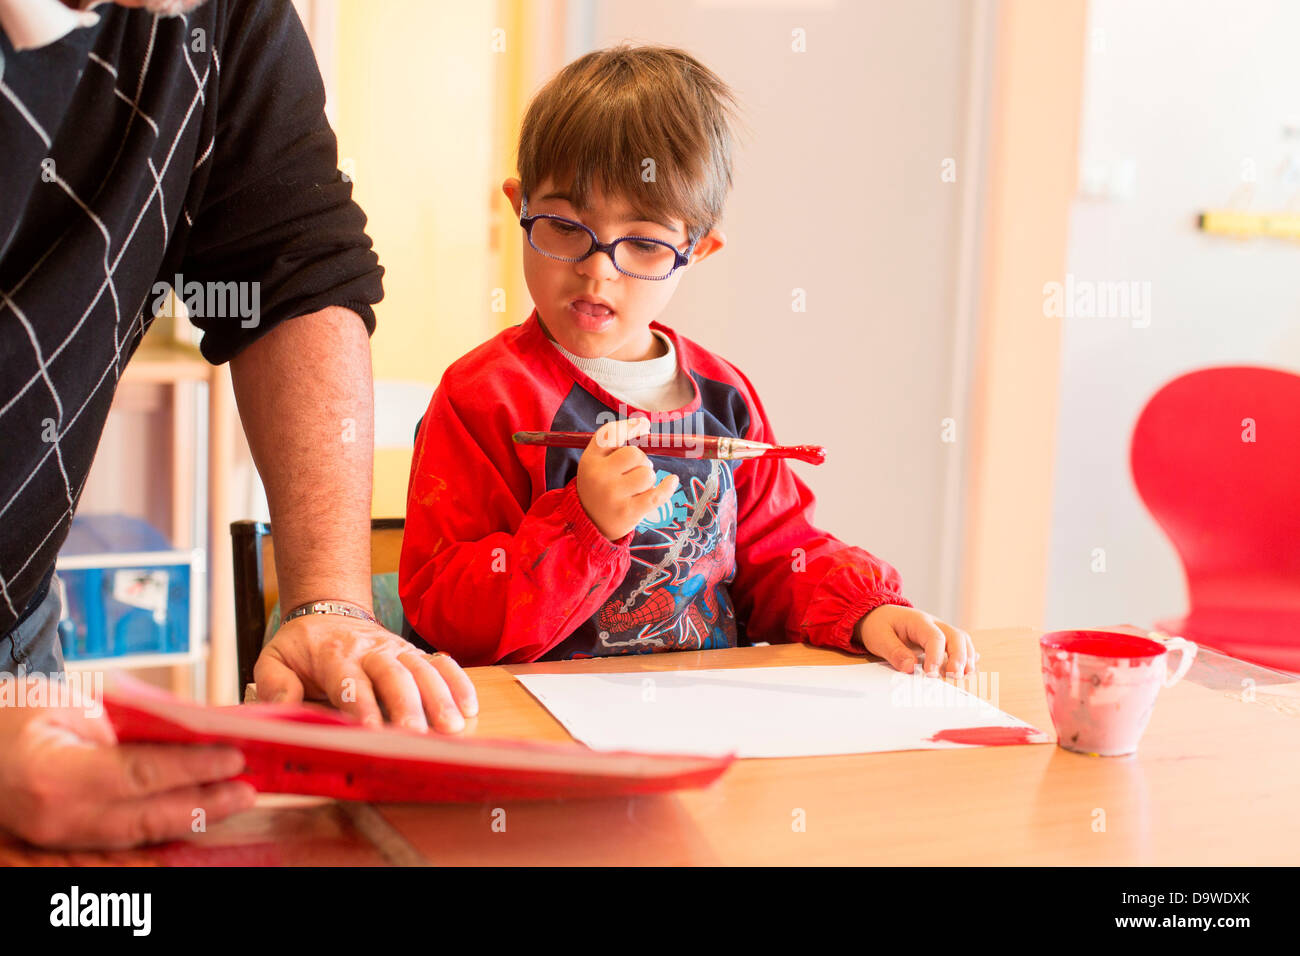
(306, 400)
(272, 214)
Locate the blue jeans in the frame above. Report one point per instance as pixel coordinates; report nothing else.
(34, 645)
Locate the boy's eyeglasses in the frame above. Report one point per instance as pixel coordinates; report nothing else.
(637, 256)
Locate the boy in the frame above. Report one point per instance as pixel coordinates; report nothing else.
(520, 553)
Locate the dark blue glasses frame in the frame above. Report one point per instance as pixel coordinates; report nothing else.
(682, 258)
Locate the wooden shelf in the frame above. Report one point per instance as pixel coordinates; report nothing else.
(127, 661)
(162, 360)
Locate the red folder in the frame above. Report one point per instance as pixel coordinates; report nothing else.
(312, 750)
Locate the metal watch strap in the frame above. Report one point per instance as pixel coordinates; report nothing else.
(344, 608)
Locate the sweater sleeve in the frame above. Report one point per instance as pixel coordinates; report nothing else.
(483, 576)
(275, 213)
(795, 582)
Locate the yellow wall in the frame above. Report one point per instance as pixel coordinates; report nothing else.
(416, 84)
(534, 49)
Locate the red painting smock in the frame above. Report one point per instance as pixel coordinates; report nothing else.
(501, 564)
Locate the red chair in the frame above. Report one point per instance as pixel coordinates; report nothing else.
(1230, 506)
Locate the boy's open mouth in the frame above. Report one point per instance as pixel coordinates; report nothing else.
(591, 307)
(590, 315)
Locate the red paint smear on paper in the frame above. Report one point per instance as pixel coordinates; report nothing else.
(987, 736)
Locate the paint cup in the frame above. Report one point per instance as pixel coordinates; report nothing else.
(1102, 686)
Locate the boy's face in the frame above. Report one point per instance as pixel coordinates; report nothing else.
(589, 307)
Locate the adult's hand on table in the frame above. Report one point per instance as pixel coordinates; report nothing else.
(65, 781)
(360, 668)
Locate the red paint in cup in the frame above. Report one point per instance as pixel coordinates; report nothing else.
(1102, 686)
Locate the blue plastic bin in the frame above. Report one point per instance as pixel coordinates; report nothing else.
(127, 591)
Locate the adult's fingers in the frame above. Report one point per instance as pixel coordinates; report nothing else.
(458, 682)
(615, 434)
(75, 725)
(134, 771)
(348, 688)
(396, 690)
(441, 708)
(163, 816)
(276, 682)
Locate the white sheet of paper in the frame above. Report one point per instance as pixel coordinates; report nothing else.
(765, 711)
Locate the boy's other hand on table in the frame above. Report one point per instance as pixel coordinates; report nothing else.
(888, 630)
(359, 667)
(616, 481)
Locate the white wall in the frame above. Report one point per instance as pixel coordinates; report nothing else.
(838, 192)
(1182, 94)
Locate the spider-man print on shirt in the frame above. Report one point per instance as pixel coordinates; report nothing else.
(670, 599)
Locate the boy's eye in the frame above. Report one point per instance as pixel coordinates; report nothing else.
(567, 228)
(646, 246)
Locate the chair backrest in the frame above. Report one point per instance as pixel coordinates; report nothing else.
(256, 588)
(1216, 460)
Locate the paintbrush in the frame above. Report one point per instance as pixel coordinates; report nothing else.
(684, 446)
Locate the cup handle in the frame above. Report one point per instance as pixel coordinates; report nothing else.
(1189, 656)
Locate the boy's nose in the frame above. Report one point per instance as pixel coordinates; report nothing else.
(598, 265)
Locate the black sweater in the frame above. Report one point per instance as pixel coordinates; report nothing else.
(131, 152)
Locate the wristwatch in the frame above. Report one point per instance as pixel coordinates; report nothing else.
(330, 607)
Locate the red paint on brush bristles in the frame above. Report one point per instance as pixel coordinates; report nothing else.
(813, 454)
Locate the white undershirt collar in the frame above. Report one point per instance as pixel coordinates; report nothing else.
(647, 373)
(31, 24)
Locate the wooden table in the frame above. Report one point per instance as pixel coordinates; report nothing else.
(1216, 782)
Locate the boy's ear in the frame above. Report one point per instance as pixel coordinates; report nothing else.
(709, 243)
(514, 191)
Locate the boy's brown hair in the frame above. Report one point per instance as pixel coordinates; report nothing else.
(599, 120)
